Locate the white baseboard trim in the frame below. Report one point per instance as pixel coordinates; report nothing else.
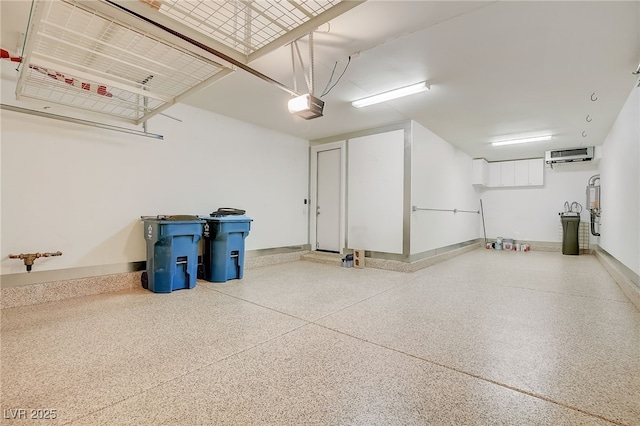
(622, 275)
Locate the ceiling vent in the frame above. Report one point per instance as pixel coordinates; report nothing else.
(569, 155)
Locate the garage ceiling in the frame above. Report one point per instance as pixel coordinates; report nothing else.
(496, 69)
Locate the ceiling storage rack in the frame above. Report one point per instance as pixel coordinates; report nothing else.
(78, 57)
(248, 26)
(95, 57)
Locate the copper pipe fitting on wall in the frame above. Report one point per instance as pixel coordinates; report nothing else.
(29, 258)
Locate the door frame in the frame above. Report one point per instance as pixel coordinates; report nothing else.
(313, 189)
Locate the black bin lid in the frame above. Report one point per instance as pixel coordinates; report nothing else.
(227, 211)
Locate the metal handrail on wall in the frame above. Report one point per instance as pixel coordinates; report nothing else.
(415, 208)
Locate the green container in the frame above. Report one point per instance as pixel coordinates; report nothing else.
(570, 225)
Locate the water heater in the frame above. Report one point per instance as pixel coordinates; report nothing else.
(593, 202)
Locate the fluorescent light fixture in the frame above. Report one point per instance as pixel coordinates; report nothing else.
(522, 140)
(306, 106)
(392, 94)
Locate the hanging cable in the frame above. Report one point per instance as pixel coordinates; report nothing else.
(326, 91)
(333, 71)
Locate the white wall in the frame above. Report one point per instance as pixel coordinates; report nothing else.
(531, 213)
(620, 186)
(82, 190)
(375, 192)
(441, 179)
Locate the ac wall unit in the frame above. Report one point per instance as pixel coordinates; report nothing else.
(569, 155)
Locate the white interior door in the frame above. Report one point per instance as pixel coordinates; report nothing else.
(328, 201)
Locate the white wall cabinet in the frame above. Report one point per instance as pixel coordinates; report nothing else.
(508, 173)
(521, 173)
(495, 173)
(529, 172)
(536, 172)
(480, 175)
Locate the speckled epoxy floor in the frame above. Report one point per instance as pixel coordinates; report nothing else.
(486, 338)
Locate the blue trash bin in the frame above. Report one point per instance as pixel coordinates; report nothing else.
(172, 252)
(224, 237)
